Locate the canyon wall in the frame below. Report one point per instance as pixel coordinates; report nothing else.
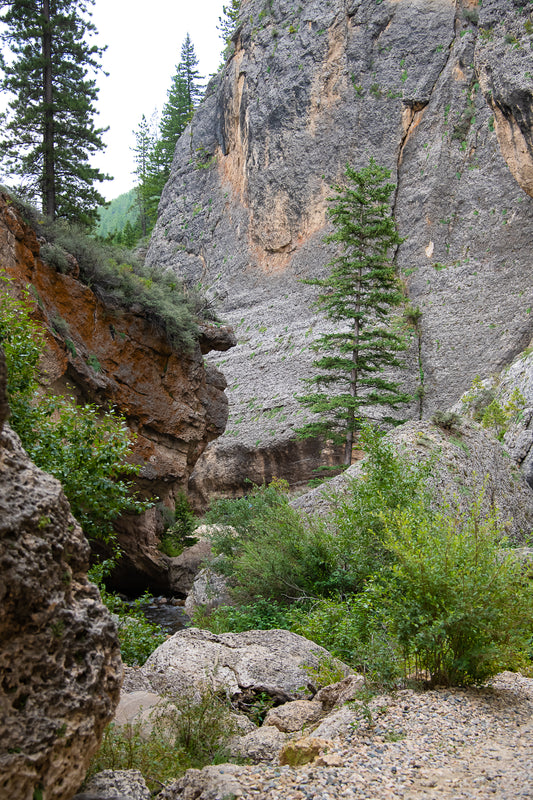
(173, 402)
(439, 92)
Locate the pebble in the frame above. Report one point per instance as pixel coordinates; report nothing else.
(455, 744)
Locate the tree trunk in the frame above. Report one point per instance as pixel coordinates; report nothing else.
(354, 378)
(49, 183)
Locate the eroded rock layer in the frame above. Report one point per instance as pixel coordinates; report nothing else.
(173, 403)
(438, 91)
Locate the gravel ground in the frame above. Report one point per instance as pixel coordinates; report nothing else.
(447, 743)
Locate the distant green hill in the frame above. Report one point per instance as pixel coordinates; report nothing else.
(118, 213)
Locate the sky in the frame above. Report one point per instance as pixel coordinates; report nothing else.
(143, 47)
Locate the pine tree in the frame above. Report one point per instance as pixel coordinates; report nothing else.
(144, 150)
(358, 295)
(49, 133)
(227, 25)
(154, 152)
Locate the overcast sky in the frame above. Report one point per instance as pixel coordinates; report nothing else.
(144, 42)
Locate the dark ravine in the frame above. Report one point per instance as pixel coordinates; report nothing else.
(436, 91)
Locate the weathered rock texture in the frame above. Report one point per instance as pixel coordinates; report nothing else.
(513, 390)
(467, 462)
(60, 667)
(276, 662)
(438, 91)
(173, 403)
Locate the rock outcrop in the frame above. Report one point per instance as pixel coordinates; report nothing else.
(467, 462)
(512, 390)
(60, 667)
(173, 403)
(439, 92)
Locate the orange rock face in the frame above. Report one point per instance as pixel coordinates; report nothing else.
(173, 403)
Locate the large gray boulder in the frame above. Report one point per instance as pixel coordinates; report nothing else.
(440, 93)
(276, 662)
(59, 657)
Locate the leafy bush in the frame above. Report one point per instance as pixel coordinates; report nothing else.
(270, 552)
(259, 615)
(179, 524)
(459, 604)
(399, 588)
(447, 420)
(191, 731)
(388, 482)
(355, 630)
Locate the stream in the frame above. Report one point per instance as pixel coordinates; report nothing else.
(169, 617)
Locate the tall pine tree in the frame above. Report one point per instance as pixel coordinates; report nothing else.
(154, 152)
(358, 296)
(49, 134)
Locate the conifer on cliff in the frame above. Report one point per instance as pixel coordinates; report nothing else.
(358, 295)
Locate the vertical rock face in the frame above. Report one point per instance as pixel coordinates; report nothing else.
(60, 667)
(97, 352)
(441, 93)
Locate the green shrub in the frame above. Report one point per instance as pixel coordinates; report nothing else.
(179, 523)
(259, 615)
(271, 551)
(190, 732)
(447, 420)
(459, 605)
(55, 256)
(355, 630)
(388, 482)
(87, 451)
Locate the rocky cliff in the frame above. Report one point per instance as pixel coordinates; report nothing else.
(173, 402)
(60, 662)
(441, 93)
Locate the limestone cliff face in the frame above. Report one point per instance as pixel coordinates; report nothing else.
(60, 661)
(441, 93)
(173, 402)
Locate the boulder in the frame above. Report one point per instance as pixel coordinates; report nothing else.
(298, 752)
(209, 783)
(337, 723)
(209, 590)
(294, 716)
(115, 785)
(260, 745)
(136, 708)
(276, 662)
(184, 568)
(60, 658)
(336, 694)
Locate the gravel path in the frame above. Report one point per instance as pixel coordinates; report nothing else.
(454, 743)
